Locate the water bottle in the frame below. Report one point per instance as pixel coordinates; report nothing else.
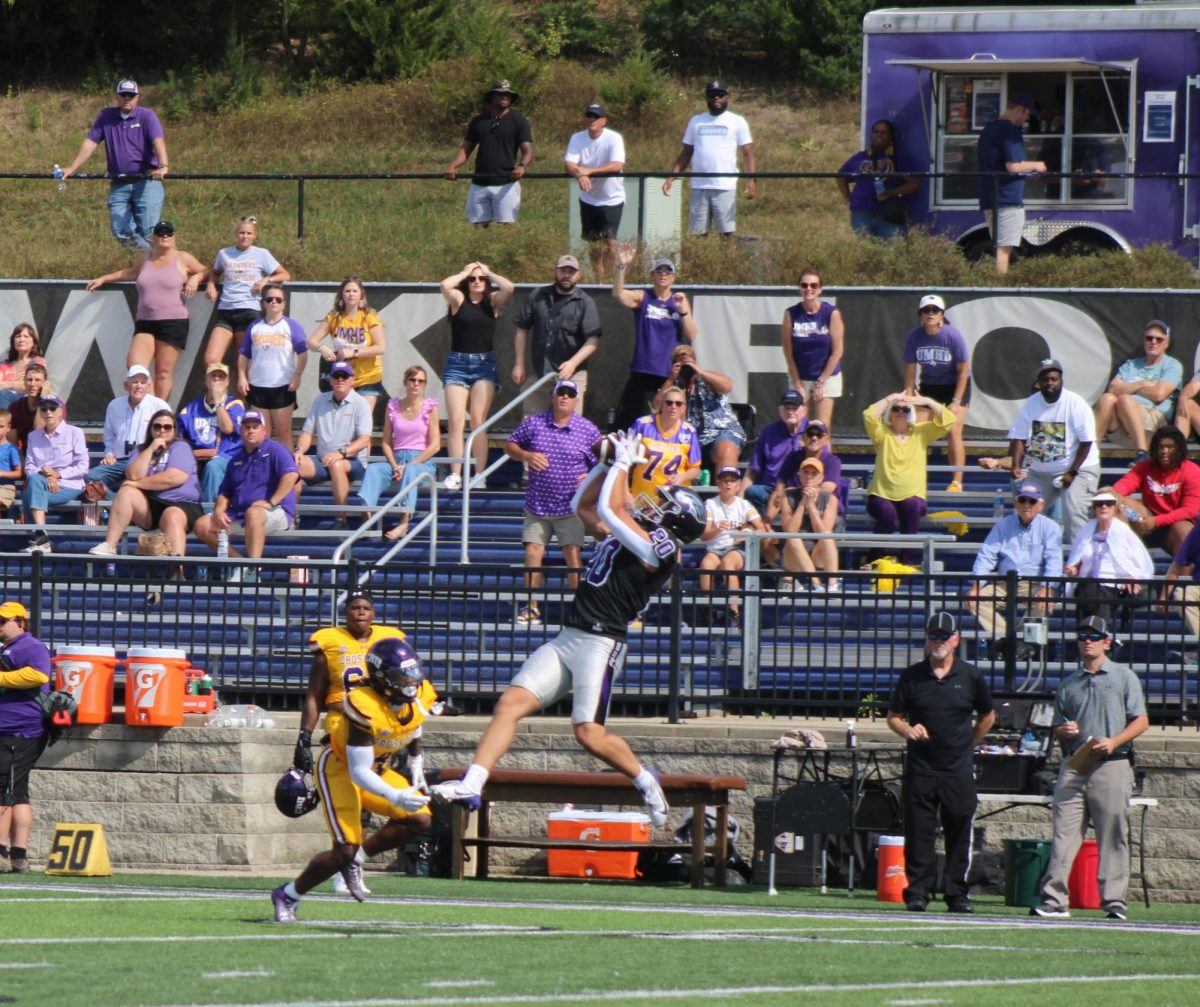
(1132, 515)
(60, 180)
(851, 740)
(110, 570)
(222, 544)
(998, 505)
(238, 715)
(878, 187)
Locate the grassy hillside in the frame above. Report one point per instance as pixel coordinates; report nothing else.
(415, 230)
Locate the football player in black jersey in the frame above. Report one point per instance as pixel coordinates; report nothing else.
(627, 570)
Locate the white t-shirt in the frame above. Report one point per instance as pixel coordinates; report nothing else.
(274, 350)
(739, 513)
(588, 153)
(239, 272)
(1053, 431)
(715, 140)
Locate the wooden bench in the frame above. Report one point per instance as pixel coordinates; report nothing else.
(525, 786)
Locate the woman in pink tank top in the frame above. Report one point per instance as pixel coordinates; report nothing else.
(167, 278)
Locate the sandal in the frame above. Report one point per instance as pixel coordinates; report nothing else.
(397, 532)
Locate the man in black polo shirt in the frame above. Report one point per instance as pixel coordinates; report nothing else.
(931, 709)
(505, 144)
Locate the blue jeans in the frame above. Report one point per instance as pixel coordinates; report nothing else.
(758, 495)
(211, 477)
(7, 398)
(870, 223)
(37, 495)
(379, 478)
(133, 210)
(111, 475)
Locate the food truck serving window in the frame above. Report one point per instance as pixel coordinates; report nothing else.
(1082, 126)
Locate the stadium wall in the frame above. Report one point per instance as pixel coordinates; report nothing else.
(85, 337)
(197, 799)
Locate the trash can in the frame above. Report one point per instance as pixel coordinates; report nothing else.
(1083, 885)
(1025, 862)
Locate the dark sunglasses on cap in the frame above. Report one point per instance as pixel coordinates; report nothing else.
(938, 635)
(1090, 636)
(249, 220)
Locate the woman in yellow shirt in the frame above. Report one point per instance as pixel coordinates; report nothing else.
(352, 331)
(896, 496)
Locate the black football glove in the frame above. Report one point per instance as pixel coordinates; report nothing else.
(303, 757)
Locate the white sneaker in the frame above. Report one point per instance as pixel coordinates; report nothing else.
(453, 482)
(656, 802)
(103, 549)
(40, 542)
(349, 881)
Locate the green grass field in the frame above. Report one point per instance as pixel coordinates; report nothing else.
(137, 939)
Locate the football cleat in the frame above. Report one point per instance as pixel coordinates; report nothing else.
(457, 792)
(394, 671)
(294, 795)
(656, 801)
(285, 905)
(349, 881)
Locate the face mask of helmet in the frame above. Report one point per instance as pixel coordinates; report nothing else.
(394, 671)
(679, 511)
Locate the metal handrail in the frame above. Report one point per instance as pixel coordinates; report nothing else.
(377, 518)
(482, 429)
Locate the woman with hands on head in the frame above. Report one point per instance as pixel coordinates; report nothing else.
(271, 363)
(476, 296)
(167, 278)
(354, 333)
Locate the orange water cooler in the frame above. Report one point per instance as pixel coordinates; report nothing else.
(87, 674)
(890, 879)
(154, 686)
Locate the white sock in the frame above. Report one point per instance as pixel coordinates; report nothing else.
(360, 856)
(290, 890)
(644, 781)
(476, 776)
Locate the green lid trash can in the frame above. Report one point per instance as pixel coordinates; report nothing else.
(1025, 862)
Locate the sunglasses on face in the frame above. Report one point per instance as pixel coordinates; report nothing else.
(674, 402)
(341, 377)
(1156, 339)
(478, 279)
(272, 300)
(939, 635)
(47, 407)
(1104, 503)
(810, 286)
(900, 409)
(566, 393)
(414, 380)
(931, 311)
(1026, 500)
(1090, 636)
(665, 271)
(814, 435)
(162, 426)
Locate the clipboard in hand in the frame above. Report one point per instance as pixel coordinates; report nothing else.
(1085, 758)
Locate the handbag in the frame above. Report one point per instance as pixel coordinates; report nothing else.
(153, 543)
(95, 492)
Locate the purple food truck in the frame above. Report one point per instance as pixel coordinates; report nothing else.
(1114, 89)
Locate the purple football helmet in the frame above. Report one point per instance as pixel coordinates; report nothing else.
(294, 795)
(394, 671)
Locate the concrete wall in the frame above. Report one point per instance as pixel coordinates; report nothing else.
(199, 799)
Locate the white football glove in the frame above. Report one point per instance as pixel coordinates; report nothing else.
(410, 799)
(416, 772)
(630, 451)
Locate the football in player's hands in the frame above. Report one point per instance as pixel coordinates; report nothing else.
(605, 449)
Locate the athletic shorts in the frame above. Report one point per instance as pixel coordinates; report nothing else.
(538, 530)
(712, 207)
(342, 803)
(579, 662)
(944, 393)
(1011, 225)
(172, 331)
(192, 511)
(276, 523)
(500, 203)
(17, 756)
(271, 398)
(236, 319)
(599, 221)
(832, 390)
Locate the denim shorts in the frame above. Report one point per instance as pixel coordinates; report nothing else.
(467, 368)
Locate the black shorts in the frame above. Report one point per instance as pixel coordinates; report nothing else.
(192, 511)
(271, 398)
(599, 221)
(17, 756)
(172, 331)
(944, 393)
(236, 319)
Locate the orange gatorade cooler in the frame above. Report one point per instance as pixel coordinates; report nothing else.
(890, 880)
(1083, 883)
(87, 674)
(623, 826)
(154, 686)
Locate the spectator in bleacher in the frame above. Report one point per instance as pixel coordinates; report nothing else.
(937, 364)
(813, 335)
(776, 442)
(56, 464)
(662, 320)
(24, 411)
(166, 279)
(815, 445)
(161, 489)
(23, 350)
(258, 494)
(1057, 430)
(244, 270)
(1187, 409)
(271, 362)
(1141, 398)
(412, 436)
(11, 469)
(1109, 560)
(672, 447)
(565, 329)
(25, 674)
(1169, 485)
(708, 410)
(355, 336)
(1185, 563)
(125, 423)
(815, 510)
(340, 423)
(896, 496)
(556, 448)
(210, 425)
(877, 204)
(470, 380)
(1027, 542)
(727, 514)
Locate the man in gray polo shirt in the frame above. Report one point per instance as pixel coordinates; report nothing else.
(1098, 711)
(340, 420)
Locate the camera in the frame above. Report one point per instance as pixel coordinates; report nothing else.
(686, 373)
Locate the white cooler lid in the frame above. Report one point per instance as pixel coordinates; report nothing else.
(67, 651)
(170, 653)
(597, 816)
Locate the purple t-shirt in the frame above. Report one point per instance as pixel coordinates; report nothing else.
(1189, 553)
(938, 356)
(20, 712)
(569, 451)
(179, 456)
(811, 340)
(128, 142)
(658, 329)
(255, 476)
(866, 167)
(771, 450)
